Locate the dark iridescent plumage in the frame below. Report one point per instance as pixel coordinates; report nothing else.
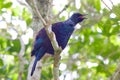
(62, 30)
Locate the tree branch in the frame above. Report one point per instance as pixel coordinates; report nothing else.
(112, 3)
(57, 51)
(39, 14)
(22, 3)
(21, 59)
(106, 5)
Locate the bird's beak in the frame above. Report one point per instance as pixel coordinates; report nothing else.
(83, 16)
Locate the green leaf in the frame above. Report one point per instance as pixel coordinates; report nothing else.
(1, 62)
(16, 11)
(100, 67)
(8, 4)
(1, 1)
(105, 26)
(115, 30)
(1, 4)
(116, 10)
(16, 46)
(97, 5)
(3, 43)
(26, 16)
(3, 70)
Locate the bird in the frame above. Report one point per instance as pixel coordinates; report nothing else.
(63, 30)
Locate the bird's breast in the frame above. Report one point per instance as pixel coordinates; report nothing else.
(63, 36)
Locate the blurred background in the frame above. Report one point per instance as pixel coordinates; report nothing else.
(92, 52)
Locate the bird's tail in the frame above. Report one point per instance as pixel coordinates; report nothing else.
(39, 55)
(34, 65)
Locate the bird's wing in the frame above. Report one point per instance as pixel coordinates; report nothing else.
(37, 45)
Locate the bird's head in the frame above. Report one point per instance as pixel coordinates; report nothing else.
(77, 17)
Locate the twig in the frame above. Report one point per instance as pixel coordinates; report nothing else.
(21, 53)
(112, 3)
(106, 5)
(21, 59)
(22, 3)
(65, 7)
(39, 14)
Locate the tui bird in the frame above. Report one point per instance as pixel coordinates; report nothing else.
(62, 30)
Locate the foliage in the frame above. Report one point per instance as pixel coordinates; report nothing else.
(93, 49)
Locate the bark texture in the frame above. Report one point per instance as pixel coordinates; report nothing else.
(44, 8)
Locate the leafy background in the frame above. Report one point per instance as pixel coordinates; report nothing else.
(93, 50)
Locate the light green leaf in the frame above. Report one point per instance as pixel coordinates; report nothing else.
(97, 5)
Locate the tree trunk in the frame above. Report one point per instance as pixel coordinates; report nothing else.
(44, 6)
